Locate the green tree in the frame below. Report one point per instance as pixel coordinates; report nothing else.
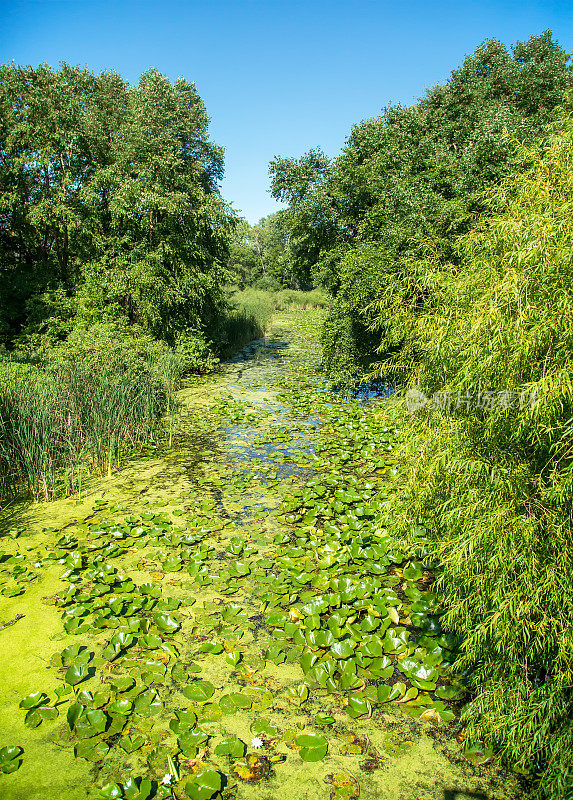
(306, 225)
(493, 478)
(109, 203)
(380, 226)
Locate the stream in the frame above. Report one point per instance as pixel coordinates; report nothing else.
(231, 616)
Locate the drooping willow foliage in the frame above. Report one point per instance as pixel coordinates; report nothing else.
(493, 475)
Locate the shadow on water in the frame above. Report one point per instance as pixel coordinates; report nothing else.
(371, 390)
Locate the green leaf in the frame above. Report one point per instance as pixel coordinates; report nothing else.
(232, 746)
(120, 707)
(131, 743)
(122, 683)
(313, 747)
(344, 649)
(111, 791)
(189, 741)
(76, 673)
(233, 657)
(166, 623)
(10, 758)
(204, 786)
(199, 692)
(212, 647)
(32, 700)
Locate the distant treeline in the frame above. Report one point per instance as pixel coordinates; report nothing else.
(444, 232)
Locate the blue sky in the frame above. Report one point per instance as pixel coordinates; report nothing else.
(277, 77)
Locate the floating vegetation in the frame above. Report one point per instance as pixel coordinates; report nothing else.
(238, 627)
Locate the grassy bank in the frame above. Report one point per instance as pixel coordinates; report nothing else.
(251, 311)
(81, 410)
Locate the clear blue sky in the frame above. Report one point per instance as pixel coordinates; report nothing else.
(277, 77)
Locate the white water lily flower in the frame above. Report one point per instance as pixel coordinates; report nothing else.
(167, 779)
(257, 742)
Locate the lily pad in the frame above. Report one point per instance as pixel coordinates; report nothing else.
(313, 747)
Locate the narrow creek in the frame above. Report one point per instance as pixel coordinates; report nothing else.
(231, 615)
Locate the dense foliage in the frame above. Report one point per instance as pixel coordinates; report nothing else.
(263, 255)
(449, 255)
(383, 218)
(493, 475)
(109, 205)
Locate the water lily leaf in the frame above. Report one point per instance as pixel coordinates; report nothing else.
(76, 673)
(121, 707)
(74, 653)
(32, 700)
(147, 704)
(10, 758)
(91, 750)
(212, 647)
(324, 720)
(33, 718)
(122, 683)
(230, 703)
(137, 789)
(313, 747)
(131, 744)
(298, 693)
(111, 791)
(388, 693)
(414, 571)
(199, 692)
(189, 741)
(344, 649)
(166, 623)
(204, 786)
(358, 707)
(151, 641)
(232, 746)
(263, 725)
(275, 653)
(48, 713)
(233, 657)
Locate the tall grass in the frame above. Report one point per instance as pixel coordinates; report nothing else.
(251, 312)
(77, 416)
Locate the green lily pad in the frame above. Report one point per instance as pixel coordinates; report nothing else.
(131, 743)
(10, 758)
(231, 703)
(122, 683)
(232, 746)
(166, 623)
(204, 786)
(344, 649)
(199, 692)
(313, 747)
(33, 700)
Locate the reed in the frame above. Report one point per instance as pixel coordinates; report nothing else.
(60, 423)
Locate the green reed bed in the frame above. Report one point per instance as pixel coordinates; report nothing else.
(62, 421)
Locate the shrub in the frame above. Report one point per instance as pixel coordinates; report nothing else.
(495, 485)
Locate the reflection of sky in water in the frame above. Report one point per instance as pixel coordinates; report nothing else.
(256, 369)
(262, 363)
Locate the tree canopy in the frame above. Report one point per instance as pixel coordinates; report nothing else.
(109, 203)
